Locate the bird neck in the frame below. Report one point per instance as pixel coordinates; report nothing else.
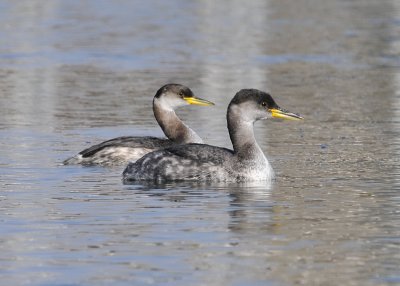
(241, 132)
(172, 126)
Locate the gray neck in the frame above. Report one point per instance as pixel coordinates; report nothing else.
(172, 126)
(241, 132)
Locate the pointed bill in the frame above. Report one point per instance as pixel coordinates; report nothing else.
(283, 114)
(197, 101)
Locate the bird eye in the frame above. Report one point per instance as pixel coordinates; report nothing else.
(181, 93)
(264, 104)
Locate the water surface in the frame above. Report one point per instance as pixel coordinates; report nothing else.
(74, 73)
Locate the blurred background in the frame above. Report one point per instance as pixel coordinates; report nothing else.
(75, 73)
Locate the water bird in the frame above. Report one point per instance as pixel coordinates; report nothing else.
(122, 150)
(201, 162)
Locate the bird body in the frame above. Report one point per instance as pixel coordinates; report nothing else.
(198, 162)
(119, 151)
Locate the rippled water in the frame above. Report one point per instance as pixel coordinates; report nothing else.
(74, 73)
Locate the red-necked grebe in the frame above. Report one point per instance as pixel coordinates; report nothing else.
(200, 162)
(126, 149)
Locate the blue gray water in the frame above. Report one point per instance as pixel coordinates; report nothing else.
(74, 73)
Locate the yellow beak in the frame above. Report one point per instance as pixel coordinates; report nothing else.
(197, 101)
(279, 113)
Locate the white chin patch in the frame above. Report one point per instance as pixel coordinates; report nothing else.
(266, 116)
(173, 101)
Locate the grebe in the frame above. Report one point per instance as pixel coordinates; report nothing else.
(201, 162)
(122, 150)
